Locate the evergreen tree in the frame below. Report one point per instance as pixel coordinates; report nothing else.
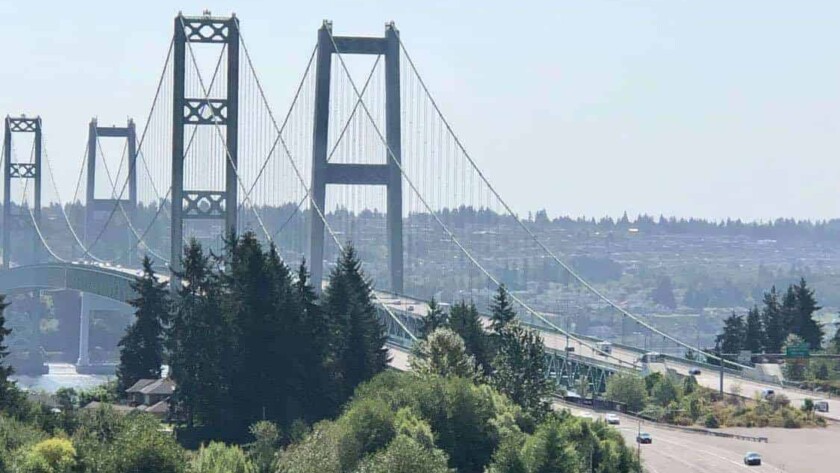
(663, 294)
(734, 333)
(501, 309)
(5, 371)
(360, 349)
(788, 309)
(435, 318)
(804, 324)
(754, 332)
(772, 319)
(141, 349)
(464, 320)
(258, 292)
(199, 342)
(317, 357)
(520, 369)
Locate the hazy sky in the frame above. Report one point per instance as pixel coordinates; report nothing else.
(689, 108)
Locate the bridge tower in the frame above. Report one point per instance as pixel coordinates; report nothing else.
(388, 174)
(203, 111)
(95, 205)
(21, 170)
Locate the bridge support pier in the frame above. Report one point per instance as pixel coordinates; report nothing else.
(84, 331)
(91, 303)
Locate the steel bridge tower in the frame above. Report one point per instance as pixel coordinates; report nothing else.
(388, 174)
(202, 111)
(21, 170)
(95, 205)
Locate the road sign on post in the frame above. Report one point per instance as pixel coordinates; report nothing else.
(801, 350)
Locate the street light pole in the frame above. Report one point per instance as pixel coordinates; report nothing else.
(720, 359)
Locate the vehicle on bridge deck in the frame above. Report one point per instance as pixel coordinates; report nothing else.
(605, 348)
(752, 459)
(652, 357)
(612, 419)
(694, 371)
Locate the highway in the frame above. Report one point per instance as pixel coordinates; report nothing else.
(812, 450)
(674, 451)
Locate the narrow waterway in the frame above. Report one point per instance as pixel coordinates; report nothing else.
(61, 375)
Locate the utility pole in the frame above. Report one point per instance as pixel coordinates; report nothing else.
(639, 446)
(720, 359)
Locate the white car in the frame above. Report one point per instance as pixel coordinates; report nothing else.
(612, 419)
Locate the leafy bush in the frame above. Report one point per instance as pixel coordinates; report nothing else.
(220, 458)
(711, 421)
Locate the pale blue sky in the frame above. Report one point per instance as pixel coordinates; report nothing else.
(689, 108)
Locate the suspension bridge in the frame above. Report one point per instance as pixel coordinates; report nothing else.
(362, 154)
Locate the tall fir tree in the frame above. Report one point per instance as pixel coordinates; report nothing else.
(435, 318)
(804, 324)
(361, 337)
(257, 287)
(520, 367)
(501, 309)
(754, 332)
(5, 371)
(772, 318)
(317, 357)
(141, 348)
(465, 321)
(199, 343)
(788, 309)
(734, 331)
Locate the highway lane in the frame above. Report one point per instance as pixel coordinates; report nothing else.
(673, 451)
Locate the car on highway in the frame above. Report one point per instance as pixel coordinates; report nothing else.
(767, 393)
(644, 437)
(752, 459)
(612, 419)
(585, 415)
(694, 371)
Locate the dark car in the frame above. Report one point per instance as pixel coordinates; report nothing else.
(752, 459)
(644, 437)
(694, 371)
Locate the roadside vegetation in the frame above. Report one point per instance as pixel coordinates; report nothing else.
(681, 401)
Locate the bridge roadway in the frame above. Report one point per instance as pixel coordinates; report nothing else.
(709, 376)
(114, 283)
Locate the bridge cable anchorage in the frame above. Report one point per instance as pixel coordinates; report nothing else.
(79, 242)
(32, 214)
(449, 233)
(216, 126)
(118, 204)
(533, 236)
(301, 179)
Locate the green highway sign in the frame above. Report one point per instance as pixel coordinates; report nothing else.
(798, 351)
